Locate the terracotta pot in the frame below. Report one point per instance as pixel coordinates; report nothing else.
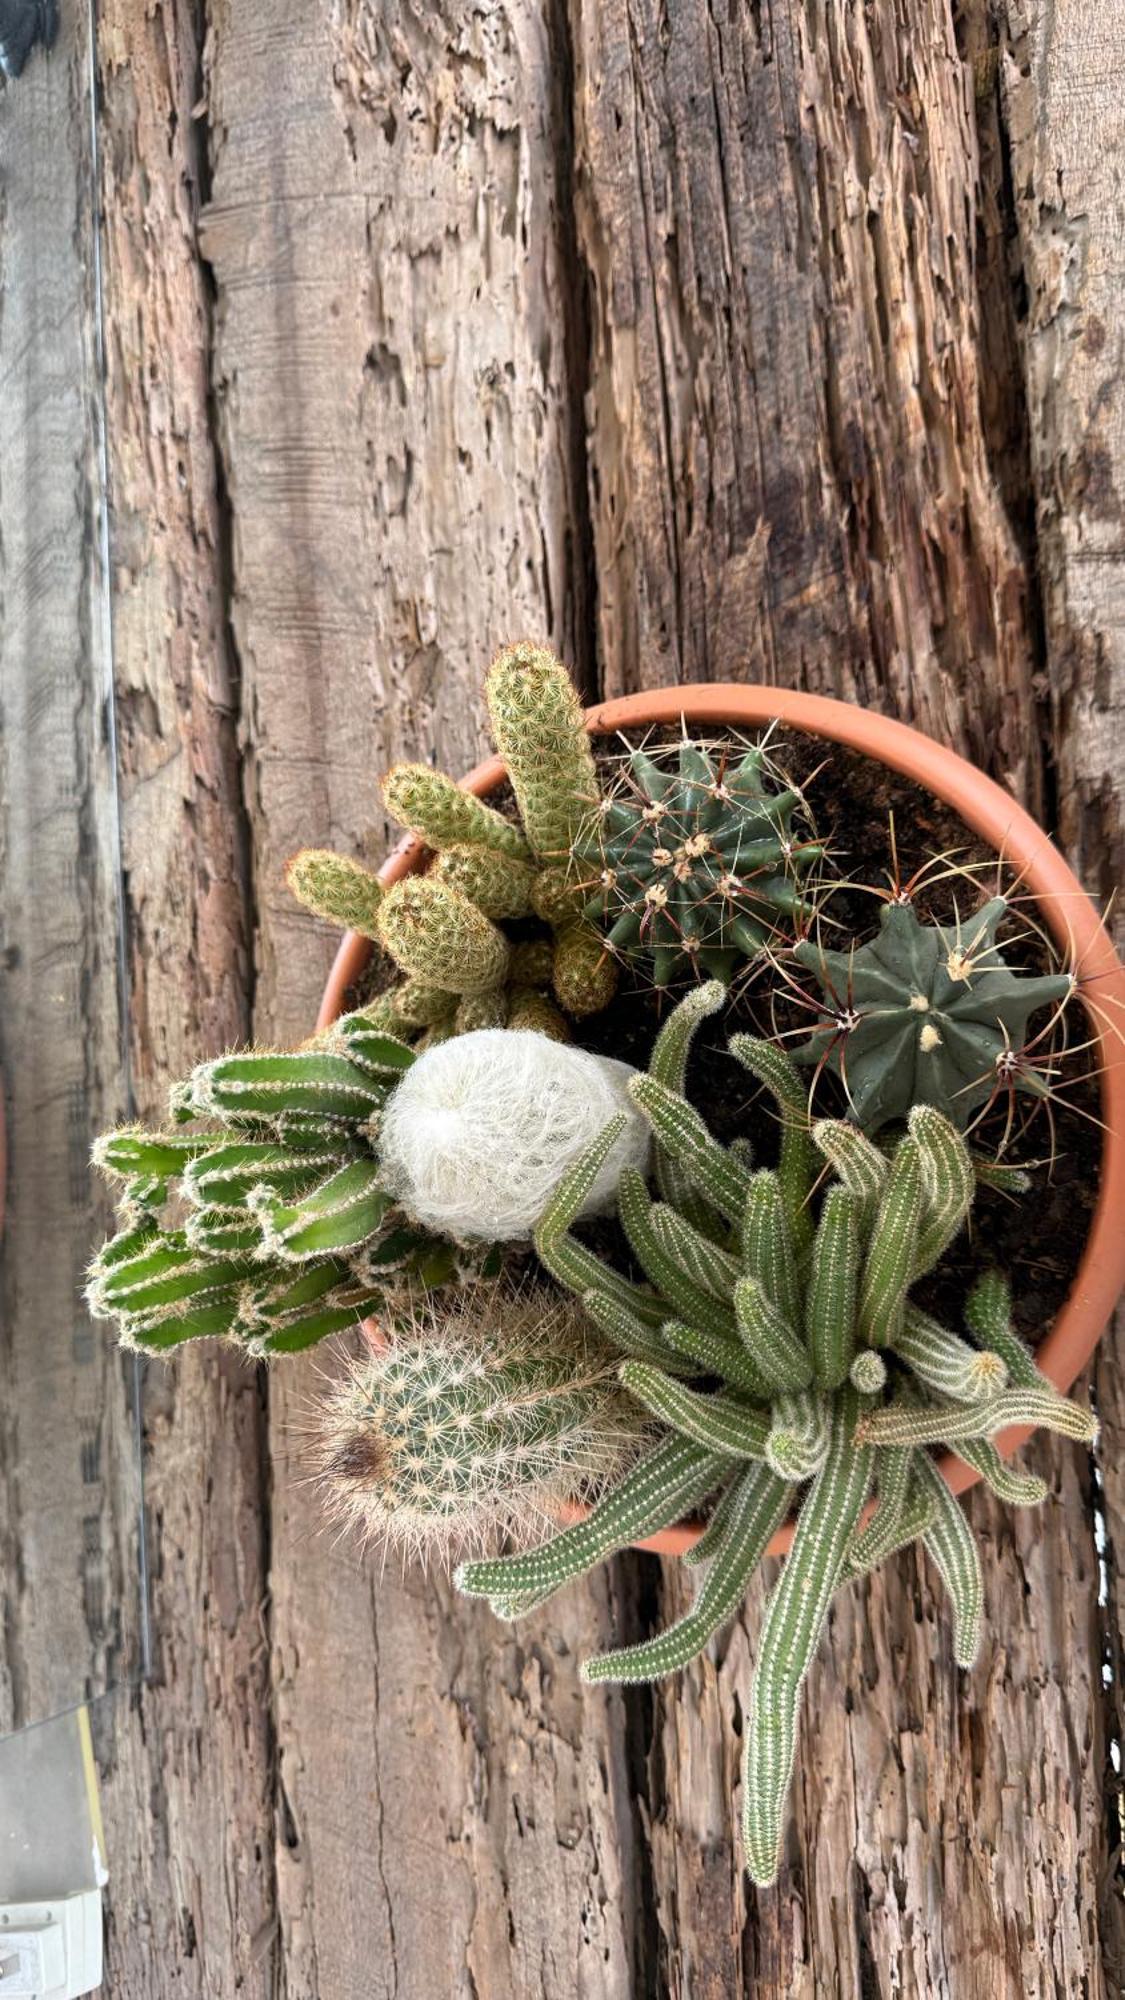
(1071, 917)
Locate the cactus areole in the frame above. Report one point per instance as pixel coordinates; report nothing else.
(998, 820)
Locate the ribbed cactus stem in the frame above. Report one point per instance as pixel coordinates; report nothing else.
(1039, 1408)
(477, 1421)
(925, 1014)
(337, 888)
(946, 1363)
(794, 1617)
(662, 1486)
(723, 1423)
(748, 1516)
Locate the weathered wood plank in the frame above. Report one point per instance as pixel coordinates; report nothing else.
(188, 1792)
(393, 378)
(792, 478)
(69, 1491)
(1062, 104)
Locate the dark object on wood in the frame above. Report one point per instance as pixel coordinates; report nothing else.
(23, 23)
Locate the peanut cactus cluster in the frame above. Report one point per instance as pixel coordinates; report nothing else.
(830, 1378)
(694, 859)
(928, 1014)
(445, 930)
(596, 1319)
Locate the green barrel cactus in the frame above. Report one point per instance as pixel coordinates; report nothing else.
(444, 929)
(487, 1412)
(284, 1233)
(782, 1350)
(927, 1014)
(694, 862)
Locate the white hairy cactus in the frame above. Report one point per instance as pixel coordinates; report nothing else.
(481, 1129)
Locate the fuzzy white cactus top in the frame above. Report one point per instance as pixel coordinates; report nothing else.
(482, 1128)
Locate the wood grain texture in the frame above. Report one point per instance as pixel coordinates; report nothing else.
(69, 1494)
(392, 370)
(188, 1768)
(769, 341)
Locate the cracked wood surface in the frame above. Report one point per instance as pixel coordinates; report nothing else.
(773, 342)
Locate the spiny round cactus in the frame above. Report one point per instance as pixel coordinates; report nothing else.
(482, 1417)
(476, 1138)
(927, 1014)
(694, 862)
(829, 1375)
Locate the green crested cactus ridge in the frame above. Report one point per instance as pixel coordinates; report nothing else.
(443, 929)
(694, 861)
(830, 1379)
(482, 1418)
(927, 1014)
(283, 1233)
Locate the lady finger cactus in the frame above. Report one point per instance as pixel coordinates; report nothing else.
(437, 936)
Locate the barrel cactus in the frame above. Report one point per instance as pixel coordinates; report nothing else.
(286, 1232)
(831, 1378)
(694, 860)
(445, 929)
(927, 1014)
(483, 1416)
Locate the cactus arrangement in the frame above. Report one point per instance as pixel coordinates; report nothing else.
(694, 860)
(667, 1329)
(927, 1014)
(830, 1377)
(445, 930)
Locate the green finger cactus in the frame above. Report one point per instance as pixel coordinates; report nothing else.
(695, 863)
(540, 731)
(437, 936)
(283, 1232)
(332, 886)
(773, 1335)
(927, 1014)
(483, 1417)
(431, 806)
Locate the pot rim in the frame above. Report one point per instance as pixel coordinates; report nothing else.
(1017, 838)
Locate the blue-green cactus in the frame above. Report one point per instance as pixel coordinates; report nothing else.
(926, 1014)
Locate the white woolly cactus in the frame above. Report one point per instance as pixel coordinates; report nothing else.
(484, 1415)
(480, 1131)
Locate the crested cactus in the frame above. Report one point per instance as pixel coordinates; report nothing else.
(694, 861)
(286, 1232)
(481, 1418)
(927, 1014)
(830, 1377)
